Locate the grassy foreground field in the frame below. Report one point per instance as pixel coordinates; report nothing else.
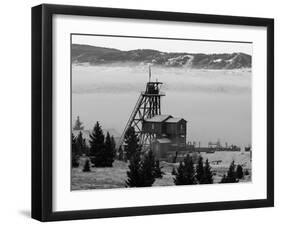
(115, 177)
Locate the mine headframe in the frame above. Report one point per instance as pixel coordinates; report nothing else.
(148, 105)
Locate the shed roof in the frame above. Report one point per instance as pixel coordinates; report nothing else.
(158, 118)
(174, 120)
(164, 141)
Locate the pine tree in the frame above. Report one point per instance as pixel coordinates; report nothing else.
(74, 152)
(157, 170)
(147, 170)
(141, 170)
(134, 177)
(180, 175)
(200, 170)
(87, 167)
(131, 143)
(73, 142)
(97, 146)
(81, 144)
(231, 177)
(239, 172)
(78, 124)
(108, 151)
(113, 144)
(189, 170)
(208, 175)
(185, 174)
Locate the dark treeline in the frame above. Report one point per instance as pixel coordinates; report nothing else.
(143, 168)
(79, 148)
(234, 174)
(101, 149)
(187, 173)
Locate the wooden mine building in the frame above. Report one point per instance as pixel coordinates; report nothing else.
(169, 135)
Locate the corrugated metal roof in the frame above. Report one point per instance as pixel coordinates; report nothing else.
(164, 141)
(174, 120)
(158, 118)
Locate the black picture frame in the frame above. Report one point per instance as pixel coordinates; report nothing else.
(42, 111)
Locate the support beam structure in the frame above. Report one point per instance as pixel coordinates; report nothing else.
(147, 106)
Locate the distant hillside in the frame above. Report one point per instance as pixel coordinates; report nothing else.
(101, 55)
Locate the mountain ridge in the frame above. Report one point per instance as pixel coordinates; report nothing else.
(96, 55)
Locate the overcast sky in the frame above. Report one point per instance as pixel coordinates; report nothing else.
(164, 45)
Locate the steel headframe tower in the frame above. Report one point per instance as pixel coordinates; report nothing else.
(147, 106)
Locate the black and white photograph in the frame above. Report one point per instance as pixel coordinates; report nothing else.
(149, 111)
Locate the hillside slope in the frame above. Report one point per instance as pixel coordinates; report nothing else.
(101, 55)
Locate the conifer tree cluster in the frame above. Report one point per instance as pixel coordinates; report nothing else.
(208, 175)
(187, 174)
(147, 170)
(143, 169)
(239, 172)
(231, 175)
(78, 148)
(74, 153)
(131, 141)
(81, 144)
(102, 148)
(134, 178)
(200, 170)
